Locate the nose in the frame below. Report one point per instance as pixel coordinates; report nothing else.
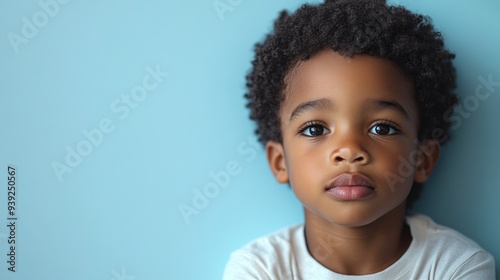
(348, 155)
(350, 152)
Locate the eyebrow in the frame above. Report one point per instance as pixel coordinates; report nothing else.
(325, 104)
(380, 105)
(322, 104)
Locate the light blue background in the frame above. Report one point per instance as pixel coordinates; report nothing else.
(117, 213)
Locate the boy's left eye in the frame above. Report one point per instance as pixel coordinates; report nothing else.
(314, 130)
(383, 129)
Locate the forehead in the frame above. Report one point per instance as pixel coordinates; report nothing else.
(347, 81)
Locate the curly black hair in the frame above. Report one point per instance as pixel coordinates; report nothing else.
(353, 27)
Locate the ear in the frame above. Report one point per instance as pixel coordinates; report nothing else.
(428, 156)
(276, 159)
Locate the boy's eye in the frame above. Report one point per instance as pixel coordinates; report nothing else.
(383, 129)
(314, 130)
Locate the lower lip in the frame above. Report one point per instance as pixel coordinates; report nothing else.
(351, 192)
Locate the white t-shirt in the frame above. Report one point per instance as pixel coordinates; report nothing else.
(436, 252)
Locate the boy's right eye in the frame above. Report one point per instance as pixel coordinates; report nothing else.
(314, 130)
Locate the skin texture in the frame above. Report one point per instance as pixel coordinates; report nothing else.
(366, 123)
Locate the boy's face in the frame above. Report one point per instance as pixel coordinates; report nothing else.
(354, 120)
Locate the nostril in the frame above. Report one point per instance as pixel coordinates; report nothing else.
(339, 159)
(360, 159)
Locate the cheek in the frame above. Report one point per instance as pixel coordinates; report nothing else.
(397, 167)
(307, 169)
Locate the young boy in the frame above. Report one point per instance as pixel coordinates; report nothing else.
(349, 98)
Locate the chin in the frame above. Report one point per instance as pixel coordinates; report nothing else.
(352, 216)
(354, 219)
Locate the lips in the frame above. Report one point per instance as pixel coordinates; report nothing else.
(349, 186)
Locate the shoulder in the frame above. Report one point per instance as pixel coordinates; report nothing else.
(266, 257)
(448, 253)
(427, 231)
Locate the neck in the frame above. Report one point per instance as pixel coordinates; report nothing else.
(343, 249)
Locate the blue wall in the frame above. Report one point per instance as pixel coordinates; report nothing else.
(116, 114)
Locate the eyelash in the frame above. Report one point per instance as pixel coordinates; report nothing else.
(309, 125)
(388, 123)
